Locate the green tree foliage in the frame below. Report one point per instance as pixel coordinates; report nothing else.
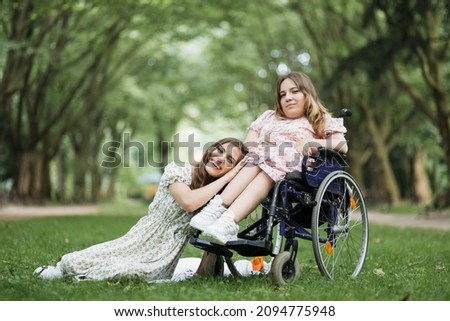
(411, 42)
(76, 75)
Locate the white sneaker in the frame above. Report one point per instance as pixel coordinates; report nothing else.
(223, 230)
(48, 272)
(266, 267)
(209, 214)
(244, 267)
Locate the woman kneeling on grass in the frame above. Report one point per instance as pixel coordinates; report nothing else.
(151, 249)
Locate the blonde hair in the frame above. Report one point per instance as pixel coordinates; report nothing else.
(315, 111)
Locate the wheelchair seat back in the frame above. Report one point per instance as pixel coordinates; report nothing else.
(316, 167)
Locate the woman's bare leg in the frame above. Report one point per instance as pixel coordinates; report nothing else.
(251, 196)
(225, 228)
(239, 183)
(218, 205)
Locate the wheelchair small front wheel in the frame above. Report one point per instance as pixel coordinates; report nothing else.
(283, 269)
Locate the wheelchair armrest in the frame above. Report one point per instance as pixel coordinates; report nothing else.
(322, 165)
(330, 153)
(316, 167)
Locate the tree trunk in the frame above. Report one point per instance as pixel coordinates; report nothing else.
(33, 178)
(422, 189)
(444, 129)
(79, 172)
(24, 175)
(46, 187)
(111, 189)
(383, 175)
(358, 156)
(96, 183)
(60, 192)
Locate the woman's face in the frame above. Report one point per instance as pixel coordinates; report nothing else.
(292, 100)
(222, 160)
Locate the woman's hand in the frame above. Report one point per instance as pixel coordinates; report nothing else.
(232, 173)
(307, 147)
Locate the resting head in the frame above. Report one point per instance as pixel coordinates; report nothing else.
(218, 160)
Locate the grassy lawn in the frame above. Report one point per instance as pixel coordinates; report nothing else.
(408, 264)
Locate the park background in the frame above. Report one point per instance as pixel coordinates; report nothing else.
(94, 95)
(97, 96)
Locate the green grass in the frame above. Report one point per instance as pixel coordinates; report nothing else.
(411, 263)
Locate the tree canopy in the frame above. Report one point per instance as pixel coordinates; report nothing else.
(87, 81)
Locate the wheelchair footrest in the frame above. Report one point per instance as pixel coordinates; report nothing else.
(210, 247)
(251, 247)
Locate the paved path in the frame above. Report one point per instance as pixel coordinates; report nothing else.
(9, 213)
(12, 212)
(435, 222)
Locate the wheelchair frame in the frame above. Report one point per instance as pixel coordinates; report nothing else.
(322, 204)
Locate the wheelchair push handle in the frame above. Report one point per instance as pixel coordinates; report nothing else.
(345, 112)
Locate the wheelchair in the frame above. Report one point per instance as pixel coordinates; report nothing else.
(322, 204)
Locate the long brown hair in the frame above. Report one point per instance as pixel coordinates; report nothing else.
(315, 111)
(200, 176)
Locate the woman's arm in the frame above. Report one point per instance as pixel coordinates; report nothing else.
(252, 136)
(335, 141)
(192, 199)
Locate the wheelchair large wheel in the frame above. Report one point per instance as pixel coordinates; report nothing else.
(283, 269)
(339, 227)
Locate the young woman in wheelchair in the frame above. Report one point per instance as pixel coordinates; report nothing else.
(277, 141)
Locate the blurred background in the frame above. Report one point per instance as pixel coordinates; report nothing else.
(96, 96)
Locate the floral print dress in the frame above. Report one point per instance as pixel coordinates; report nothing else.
(150, 250)
(274, 151)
